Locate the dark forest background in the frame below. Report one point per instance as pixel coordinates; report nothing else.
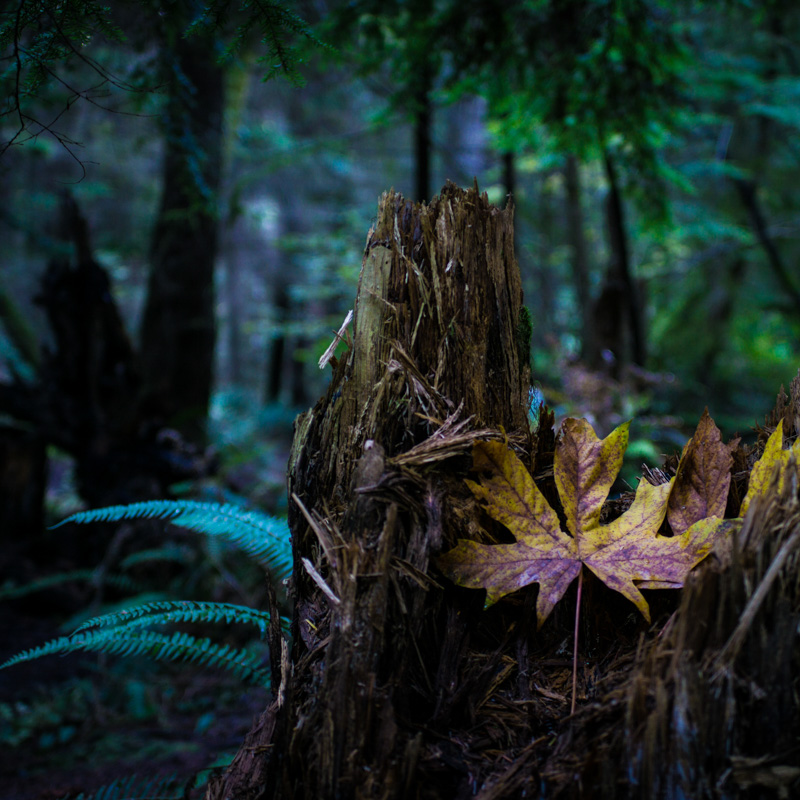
(221, 165)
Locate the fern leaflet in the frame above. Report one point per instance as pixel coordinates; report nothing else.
(169, 611)
(134, 787)
(118, 640)
(9, 591)
(264, 538)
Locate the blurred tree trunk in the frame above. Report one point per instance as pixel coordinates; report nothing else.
(277, 350)
(285, 369)
(509, 174)
(617, 312)
(546, 317)
(18, 330)
(748, 194)
(235, 305)
(178, 326)
(237, 85)
(375, 643)
(580, 259)
(719, 303)
(86, 395)
(23, 481)
(423, 122)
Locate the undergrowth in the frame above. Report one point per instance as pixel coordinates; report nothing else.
(151, 623)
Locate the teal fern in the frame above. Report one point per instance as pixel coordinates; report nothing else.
(263, 537)
(172, 611)
(120, 640)
(127, 630)
(132, 787)
(175, 553)
(11, 591)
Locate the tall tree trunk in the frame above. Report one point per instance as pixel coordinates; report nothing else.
(376, 643)
(423, 115)
(236, 89)
(234, 303)
(178, 326)
(580, 259)
(509, 174)
(621, 293)
(719, 304)
(277, 345)
(546, 317)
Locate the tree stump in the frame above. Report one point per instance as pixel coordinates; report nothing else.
(434, 359)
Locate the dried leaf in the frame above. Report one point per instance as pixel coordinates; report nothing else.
(624, 553)
(702, 479)
(774, 458)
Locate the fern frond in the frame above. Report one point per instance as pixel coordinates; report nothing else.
(171, 611)
(175, 553)
(9, 591)
(175, 647)
(263, 537)
(70, 625)
(133, 787)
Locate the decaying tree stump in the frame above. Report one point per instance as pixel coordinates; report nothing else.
(434, 359)
(396, 683)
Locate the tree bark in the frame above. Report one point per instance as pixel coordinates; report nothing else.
(375, 640)
(178, 326)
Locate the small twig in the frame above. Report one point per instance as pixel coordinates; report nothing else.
(320, 581)
(338, 337)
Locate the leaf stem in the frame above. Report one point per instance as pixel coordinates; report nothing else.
(575, 642)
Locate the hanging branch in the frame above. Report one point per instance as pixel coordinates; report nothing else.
(749, 198)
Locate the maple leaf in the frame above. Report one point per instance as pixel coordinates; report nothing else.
(626, 554)
(773, 459)
(702, 479)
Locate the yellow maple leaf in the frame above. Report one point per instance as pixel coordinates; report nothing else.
(773, 459)
(627, 554)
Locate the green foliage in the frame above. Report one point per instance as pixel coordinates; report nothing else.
(40, 42)
(38, 35)
(264, 538)
(582, 77)
(272, 23)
